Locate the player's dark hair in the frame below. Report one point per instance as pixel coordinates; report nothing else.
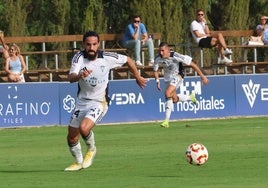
(162, 44)
(91, 34)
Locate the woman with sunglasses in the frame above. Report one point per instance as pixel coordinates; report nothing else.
(15, 65)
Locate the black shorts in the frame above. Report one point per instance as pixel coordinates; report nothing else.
(205, 42)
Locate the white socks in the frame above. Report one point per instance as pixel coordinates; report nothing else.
(183, 97)
(90, 141)
(169, 107)
(76, 151)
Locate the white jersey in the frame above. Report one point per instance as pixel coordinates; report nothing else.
(200, 27)
(94, 86)
(173, 65)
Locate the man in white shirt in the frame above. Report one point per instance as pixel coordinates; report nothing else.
(171, 62)
(201, 34)
(90, 69)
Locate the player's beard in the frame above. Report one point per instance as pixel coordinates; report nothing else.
(91, 56)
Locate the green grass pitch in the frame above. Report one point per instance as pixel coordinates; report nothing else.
(141, 155)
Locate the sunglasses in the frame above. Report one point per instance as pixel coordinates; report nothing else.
(137, 21)
(200, 14)
(11, 49)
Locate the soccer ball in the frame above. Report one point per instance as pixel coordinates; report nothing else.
(196, 154)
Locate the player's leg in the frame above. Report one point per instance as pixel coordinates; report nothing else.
(181, 97)
(75, 149)
(94, 114)
(88, 137)
(73, 138)
(190, 97)
(170, 95)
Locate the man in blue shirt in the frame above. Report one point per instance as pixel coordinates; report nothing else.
(136, 37)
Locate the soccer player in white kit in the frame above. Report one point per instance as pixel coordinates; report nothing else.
(173, 77)
(90, 68)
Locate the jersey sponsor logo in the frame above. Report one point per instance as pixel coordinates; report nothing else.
(93, 81)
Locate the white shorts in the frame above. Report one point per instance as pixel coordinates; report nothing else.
(93, 110)
(175, 81)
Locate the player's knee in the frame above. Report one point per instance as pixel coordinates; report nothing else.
(72, 140)
(175, 100)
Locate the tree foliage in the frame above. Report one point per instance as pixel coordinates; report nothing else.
(13, 16)
(93, 17)
(172, 22)
(168, 17)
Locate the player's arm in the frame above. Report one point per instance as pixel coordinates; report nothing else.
(75, 77)
(199, 72)
(5, 48)
(156, 76)
(139, 79)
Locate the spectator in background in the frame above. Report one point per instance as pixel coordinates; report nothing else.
(262, 29)
(201, 34)
(15, 64)
(136, 37)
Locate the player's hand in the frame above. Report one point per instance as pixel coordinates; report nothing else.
(205, 80)
(84, 73)
(142, 82)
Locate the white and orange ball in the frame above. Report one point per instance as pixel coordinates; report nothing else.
(196, 154)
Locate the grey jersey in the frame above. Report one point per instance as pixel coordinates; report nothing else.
(173, 65)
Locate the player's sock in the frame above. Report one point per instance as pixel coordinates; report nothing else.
(183, 97)
(169, 107)
(89, 140)
(76, 151)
